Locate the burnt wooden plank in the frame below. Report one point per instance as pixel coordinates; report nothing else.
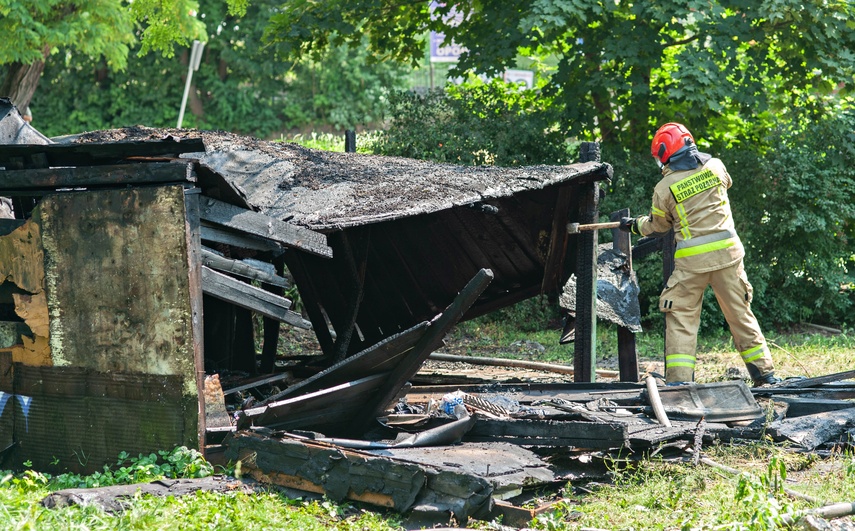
(812, 431)
(484, 234)
(215, 261)
(528, 393)
(378, 358)
(331, 408)
(258, 383)
(114, 498)
(356, 260)
(552, 281)
(192, 228)
(249, 297)
(341, 473)
(47, 180)
(269, 348)
(259, 224)
(243, 241)
(300, 266)
(95, 153)
(799, 407)
(818, 380)
(525, 215)
(429, 342)
(335, 472)
(548, 432)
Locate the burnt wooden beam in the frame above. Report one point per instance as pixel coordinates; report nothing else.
(311, 299)
(271, 327)
(39, 181)
(236, 239)
(249, 297)
(357, 262)
(585, 345)
(259, 224)
(627, 356)
(552, 272)
(580, 434)
(429, 342)
(818, 380)
(93, 153)
(381, 357)
(194, 281)
(241, 268)
(330, 409)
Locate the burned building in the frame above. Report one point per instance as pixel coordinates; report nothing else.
(138, 258)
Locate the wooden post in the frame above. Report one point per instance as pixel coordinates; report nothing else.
(194, 267)
(585, 352)
(272, 326)
(627, 357)
(350, 141)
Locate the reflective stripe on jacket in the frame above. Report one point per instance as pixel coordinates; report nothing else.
(694, 203)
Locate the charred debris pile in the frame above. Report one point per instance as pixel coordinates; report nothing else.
(387, 255)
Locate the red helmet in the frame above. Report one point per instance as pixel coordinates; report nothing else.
(669, 139)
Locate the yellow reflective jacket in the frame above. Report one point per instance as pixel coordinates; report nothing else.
(694, 203)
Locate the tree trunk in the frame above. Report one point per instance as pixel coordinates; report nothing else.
(20, 82)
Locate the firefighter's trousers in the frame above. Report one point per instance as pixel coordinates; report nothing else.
(681, 301)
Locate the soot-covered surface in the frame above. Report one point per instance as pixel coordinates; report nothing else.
(325, 190)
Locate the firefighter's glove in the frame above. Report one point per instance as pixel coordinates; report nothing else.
(629, 225)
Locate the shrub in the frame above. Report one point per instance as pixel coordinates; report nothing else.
(494, 123)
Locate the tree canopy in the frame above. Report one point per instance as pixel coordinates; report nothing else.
(33, 30)
(622, 67)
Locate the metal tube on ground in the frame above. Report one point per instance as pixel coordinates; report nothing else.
(656, 402)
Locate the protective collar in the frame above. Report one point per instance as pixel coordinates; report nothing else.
(688, 158)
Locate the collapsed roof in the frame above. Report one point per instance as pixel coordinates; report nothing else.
(406, 235)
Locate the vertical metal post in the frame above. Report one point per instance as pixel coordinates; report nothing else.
(627, 356)
(195, 59)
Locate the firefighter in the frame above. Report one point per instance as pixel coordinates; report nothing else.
(692, 199)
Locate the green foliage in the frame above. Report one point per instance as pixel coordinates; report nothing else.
(723, 68)
(796, 209)
(760, 499)
(792, 203)
(241, 86)
(180, 462)
(494, 123)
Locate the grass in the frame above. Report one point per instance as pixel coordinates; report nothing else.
(795, 353)
(653, 493)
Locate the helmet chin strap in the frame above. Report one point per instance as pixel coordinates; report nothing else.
(659, 163)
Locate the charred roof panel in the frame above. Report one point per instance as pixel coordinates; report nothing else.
(406, 234)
